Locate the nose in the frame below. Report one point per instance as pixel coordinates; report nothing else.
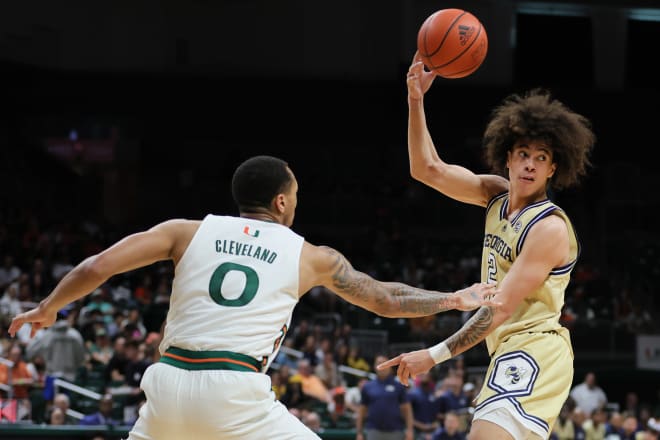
(529, 164)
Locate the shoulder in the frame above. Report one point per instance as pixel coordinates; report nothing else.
(550, 227)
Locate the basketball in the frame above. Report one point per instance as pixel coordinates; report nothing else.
(452, 43)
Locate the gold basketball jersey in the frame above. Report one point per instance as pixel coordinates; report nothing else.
(503, 241)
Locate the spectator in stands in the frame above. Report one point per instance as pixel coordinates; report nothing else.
(97, 301)
(579, 417)
(309, 350)
(62, 347)
(37, 368)
(629, 427)
(300, 333)
(594, 427)
(385, 410)
(588, 395)
(425, 407)
(356, 360)
(451, 429)
(328, 371)
(453, 398)
(9, 303)
(57, 417)
(631, 404)
(132, 325)
(114, 371)
(277, 384)
(283, 358)
(100, 350)
(62, 264)
(652, 431)
(564, 427)
(614, 426)
(353, 396)
(470, 392)
(104, 414)
(9, 272)
(312, 386)
(20, 377)
(39, 279)
(340, 417)
(312, 420)
(61, 404)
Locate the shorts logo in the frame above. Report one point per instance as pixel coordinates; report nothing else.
(514, 374)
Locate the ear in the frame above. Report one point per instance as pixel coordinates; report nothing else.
(280, 203)
(553, 168)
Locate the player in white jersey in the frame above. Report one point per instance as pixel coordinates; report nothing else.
(236, 283)
(529, 249)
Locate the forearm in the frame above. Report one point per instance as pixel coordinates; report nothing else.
(475, 330)
(405, 301)
(421, 151)
(80, 281)
(388, 299)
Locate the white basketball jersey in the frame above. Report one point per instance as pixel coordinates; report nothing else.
(235, 288)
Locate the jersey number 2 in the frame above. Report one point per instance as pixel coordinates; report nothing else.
(248, 293)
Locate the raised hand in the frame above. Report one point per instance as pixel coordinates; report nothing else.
(419, 79)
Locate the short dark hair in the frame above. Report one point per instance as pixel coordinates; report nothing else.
(257, 181)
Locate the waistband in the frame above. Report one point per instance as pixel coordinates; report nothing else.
(209, 360)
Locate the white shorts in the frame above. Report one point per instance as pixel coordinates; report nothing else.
(212, 405)
(507, 421)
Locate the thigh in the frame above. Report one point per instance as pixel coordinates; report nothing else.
(530, 377)
(213, 405)
(498, 425)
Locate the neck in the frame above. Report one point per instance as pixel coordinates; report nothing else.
(517, 202)
(262, 216)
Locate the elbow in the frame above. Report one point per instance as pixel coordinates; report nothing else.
(425, 171)
(505, 311)
(93, 268)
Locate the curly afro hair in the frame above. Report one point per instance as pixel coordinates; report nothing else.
(536, 115)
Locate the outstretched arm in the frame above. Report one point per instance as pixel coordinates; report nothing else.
(322, 265)
(134, 251)
(546, 247)
(426, 165)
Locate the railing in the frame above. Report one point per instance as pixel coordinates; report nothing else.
(60, 383)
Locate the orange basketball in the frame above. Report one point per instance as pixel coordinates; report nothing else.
(452, 42)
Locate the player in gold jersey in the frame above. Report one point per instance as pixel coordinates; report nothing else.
(529, 250)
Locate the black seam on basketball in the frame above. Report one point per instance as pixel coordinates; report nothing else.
(464, 50)
(443, 38)
(474, 66)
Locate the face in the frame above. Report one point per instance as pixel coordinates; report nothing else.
(289, 201)
(384, 372)
(530, 166)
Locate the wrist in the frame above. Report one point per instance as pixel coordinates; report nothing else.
(439, 353)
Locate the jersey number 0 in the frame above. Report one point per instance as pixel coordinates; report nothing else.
(248, 293)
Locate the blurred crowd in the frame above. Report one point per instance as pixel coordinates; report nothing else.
(324, 373)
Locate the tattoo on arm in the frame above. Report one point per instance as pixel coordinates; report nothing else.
(473, 332)
(348, 280)
(407, 300)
